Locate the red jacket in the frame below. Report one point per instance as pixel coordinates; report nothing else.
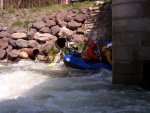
(90, 54)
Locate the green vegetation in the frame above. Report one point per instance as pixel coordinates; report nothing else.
(80, 46)
(50, 53)
(11, 11)
(26, 23)
(57, 8)
(34, 10)
(19, 23)
(34, 13)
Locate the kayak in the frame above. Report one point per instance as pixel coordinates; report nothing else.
(77, 62)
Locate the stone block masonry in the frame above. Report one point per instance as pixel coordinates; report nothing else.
(131, 42)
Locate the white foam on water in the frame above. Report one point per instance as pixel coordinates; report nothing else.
(14, 84)
(33, 87)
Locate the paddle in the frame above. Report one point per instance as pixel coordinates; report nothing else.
(56, 59)
(99, 52)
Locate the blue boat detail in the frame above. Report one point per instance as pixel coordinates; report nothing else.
(76, 62)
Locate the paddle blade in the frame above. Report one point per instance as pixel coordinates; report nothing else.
(56, 59)
(52, 64)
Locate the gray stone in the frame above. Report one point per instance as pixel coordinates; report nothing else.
(22, 43)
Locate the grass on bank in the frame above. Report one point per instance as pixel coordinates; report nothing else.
(57, 8)
(37, 13)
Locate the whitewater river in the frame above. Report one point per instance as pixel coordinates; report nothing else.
(33, 87)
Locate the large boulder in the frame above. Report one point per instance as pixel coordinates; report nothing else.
(73, 25)
(19, 36)
(43, 37)
(3, 53)
(14, 54)
(33, 44)
(4, 34)
(45, 30)
(21, 43)
(50, 23)
(39, 25)
(4, 43)
(80, 18)
(55, 30)
(66, 31)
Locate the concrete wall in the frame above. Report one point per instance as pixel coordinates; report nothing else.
(131, 42)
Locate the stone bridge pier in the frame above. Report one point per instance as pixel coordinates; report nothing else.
(131, 42)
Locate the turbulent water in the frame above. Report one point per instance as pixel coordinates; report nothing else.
(33, 87)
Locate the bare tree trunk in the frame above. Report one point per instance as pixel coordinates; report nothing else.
(39, 3)
(1, 4)
(19, 3)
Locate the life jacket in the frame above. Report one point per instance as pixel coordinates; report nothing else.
(107, 53)
(103, 51)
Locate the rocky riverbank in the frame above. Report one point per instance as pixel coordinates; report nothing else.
(41, 36)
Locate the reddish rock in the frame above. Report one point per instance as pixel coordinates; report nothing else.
(84, 10)
(78, 38)
(3, 53)
(73, 13)
(55, 30)
(73, 25)
(52, 17)
(31, 33)
(45, 18)
(62, 24)
(67, 18)
(50, 23)
(32, 44)
(45, 30)
(4, 34)
(14, 53)
(80, 18)
(39, 25)
(61, 15)
(4, 43)
(48, 46)
(12, 42)
(9, 49)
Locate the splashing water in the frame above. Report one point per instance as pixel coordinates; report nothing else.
(33, 87)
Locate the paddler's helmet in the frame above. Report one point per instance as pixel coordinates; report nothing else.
(109, 45)
(91, 43)
(107, 42)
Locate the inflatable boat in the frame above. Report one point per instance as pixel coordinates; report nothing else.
(76, 62)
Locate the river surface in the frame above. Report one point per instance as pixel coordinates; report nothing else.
(34, 87)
